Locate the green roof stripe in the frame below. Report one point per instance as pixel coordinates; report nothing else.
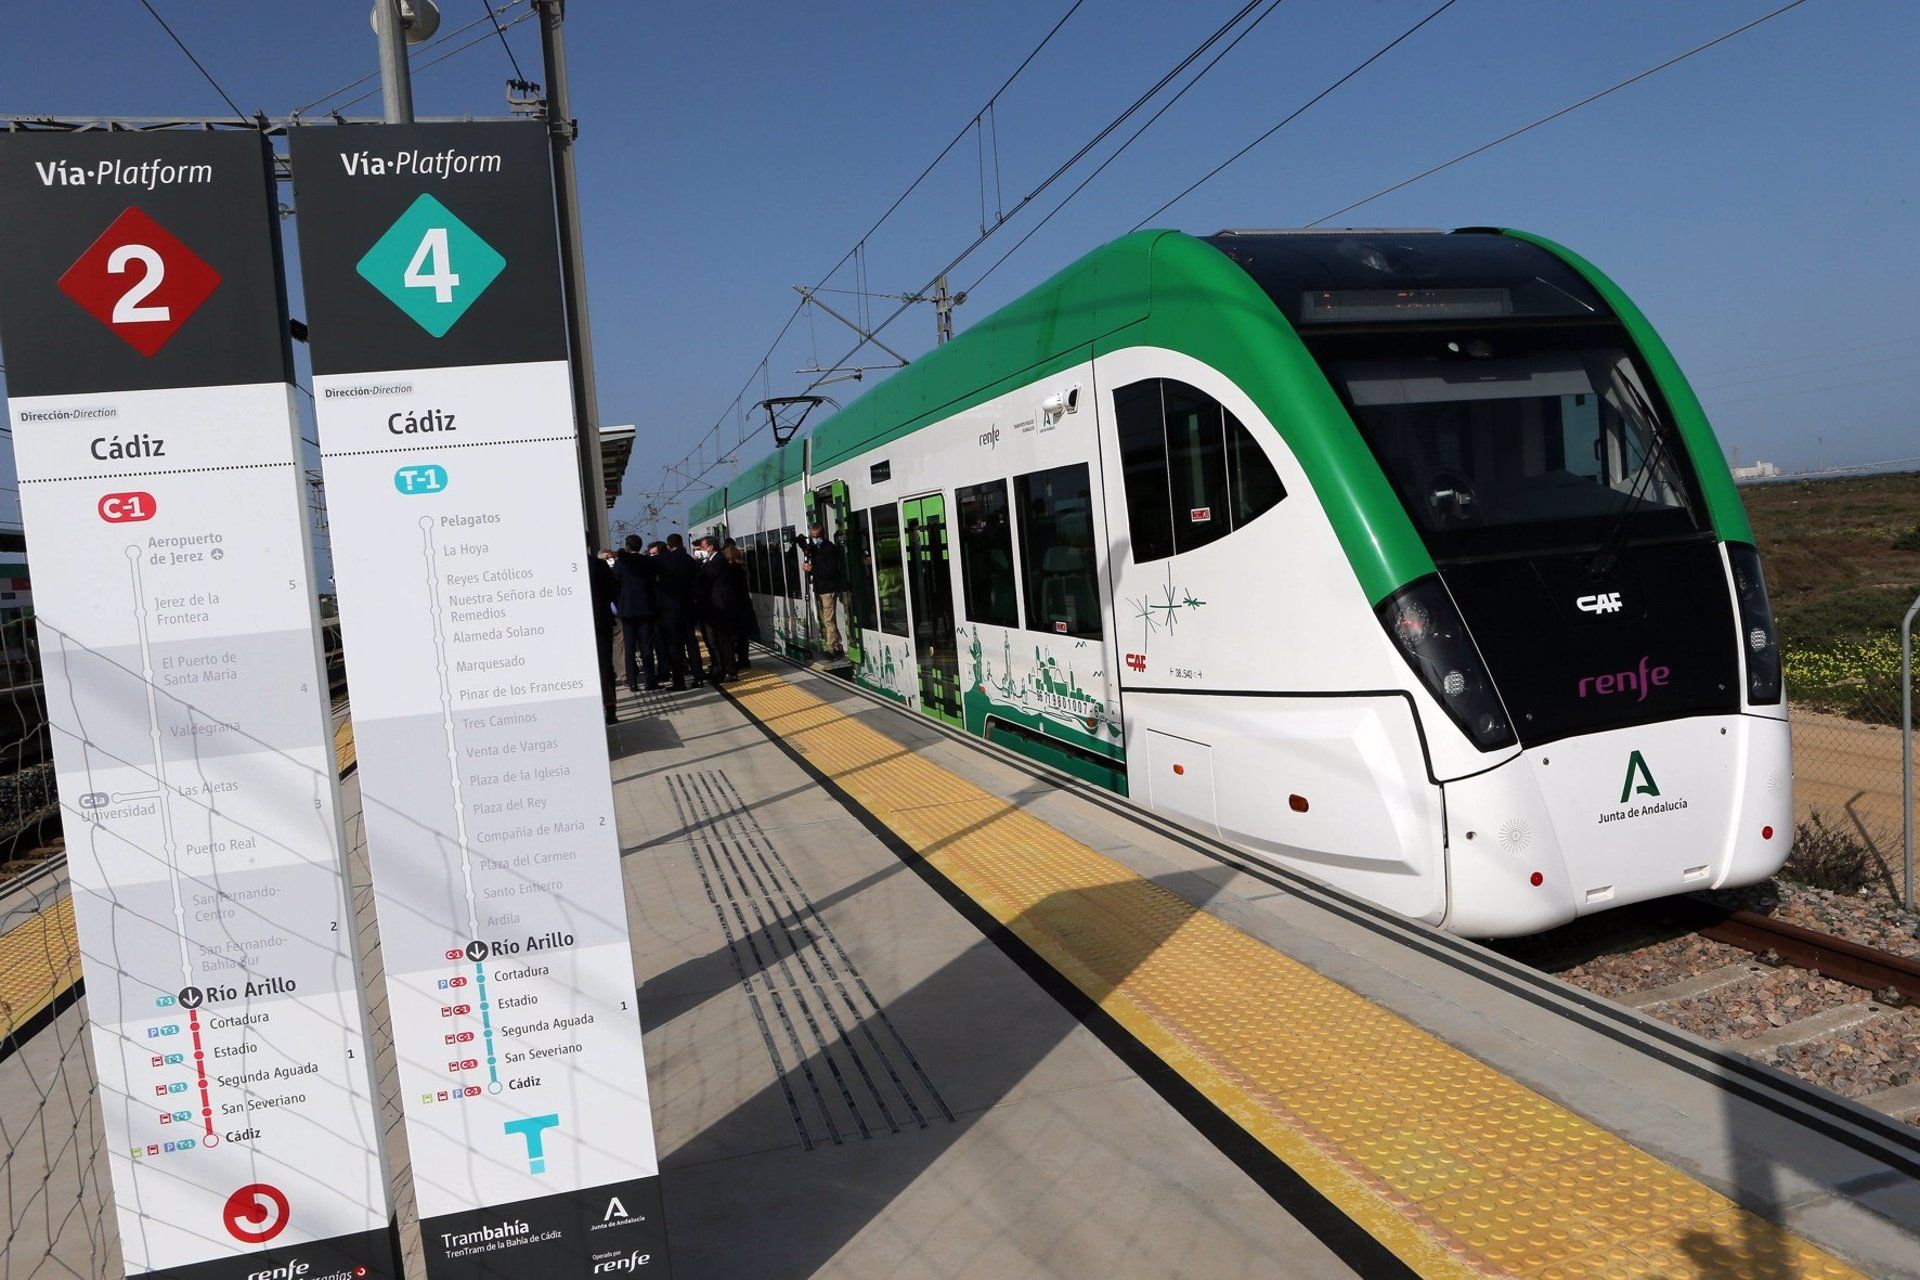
(1169, 290)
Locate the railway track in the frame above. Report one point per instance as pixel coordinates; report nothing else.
(1894, 979)
(1827, 1009)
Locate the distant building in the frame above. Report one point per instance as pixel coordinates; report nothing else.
(1758, 471)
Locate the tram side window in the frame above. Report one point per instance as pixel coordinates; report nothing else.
(1256, 486)
(790, 555)
(759, 563)
(1196, 467)
(1143, 463)
(986, 554)
(890, 570)
(1193, 472)
(1057, 551)
(860, 570)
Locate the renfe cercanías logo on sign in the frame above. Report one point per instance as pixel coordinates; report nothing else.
(1605, 602)
(1630, 681)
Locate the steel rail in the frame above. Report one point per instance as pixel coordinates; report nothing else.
(1777, 941)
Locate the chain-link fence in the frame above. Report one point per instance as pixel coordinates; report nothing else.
(1844, 701)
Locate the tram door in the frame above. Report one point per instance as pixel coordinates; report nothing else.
(930, 582)
(840, 528)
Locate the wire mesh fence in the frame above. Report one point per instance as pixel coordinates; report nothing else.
(1844, 702)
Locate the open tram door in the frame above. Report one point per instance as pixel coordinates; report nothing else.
(830, 505)
(936, 650)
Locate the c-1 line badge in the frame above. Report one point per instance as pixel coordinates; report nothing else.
(431, 265)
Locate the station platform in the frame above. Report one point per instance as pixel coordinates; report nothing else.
(916, 1008)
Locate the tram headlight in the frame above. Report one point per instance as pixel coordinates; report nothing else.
(1756, 624)
(1427, 629)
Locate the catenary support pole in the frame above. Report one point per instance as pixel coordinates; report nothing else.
(396, 78)
(1906, 743)
(586, 398)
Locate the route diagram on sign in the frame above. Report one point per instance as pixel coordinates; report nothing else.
(189, 994)
(476, 949)
(431, 553)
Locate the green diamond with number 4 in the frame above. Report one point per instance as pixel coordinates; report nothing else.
(431, 265)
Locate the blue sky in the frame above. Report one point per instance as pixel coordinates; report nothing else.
(1758, 200)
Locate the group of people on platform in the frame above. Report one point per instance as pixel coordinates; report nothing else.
(666, 601)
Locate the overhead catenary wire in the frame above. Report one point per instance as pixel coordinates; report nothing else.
(500, 31)
(1106, 131)
(1120, 150)
(857, 247)
(1555, 115)
(493, 14)
(197, 64)
(416, 69)
(1297, 112)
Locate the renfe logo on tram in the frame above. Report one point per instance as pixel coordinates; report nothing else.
(1629, 681)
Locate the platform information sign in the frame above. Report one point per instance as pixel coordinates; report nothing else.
(150, 393)
(432, 280)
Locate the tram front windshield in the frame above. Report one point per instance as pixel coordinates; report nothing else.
(1497, 446)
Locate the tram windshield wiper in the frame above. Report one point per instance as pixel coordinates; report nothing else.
(1635, 413)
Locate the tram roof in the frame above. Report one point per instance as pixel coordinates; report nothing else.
(1112, 287)
(1193, 294)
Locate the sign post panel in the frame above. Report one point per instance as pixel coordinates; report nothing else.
(446, 427)
(151, 398)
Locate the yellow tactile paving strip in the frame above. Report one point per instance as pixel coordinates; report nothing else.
(1457, 1169)
(39, 960)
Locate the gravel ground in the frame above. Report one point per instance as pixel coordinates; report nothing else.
(1872, 920)
(1773, 999)
(1635, 948)
(1876, 1055)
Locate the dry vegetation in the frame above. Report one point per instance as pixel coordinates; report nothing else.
(1843, 564)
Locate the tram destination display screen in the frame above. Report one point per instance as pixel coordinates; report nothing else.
(1358, 306)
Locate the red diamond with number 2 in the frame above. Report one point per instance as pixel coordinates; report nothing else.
(140, 281)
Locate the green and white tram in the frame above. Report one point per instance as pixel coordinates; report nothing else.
(1406, 559)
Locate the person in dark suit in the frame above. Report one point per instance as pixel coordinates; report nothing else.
(634, 575)
(716, 610)
(674, 616)
(600, 594)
